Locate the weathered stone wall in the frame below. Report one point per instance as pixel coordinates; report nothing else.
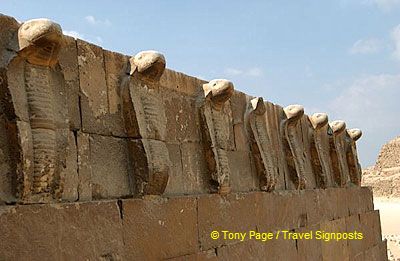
(179, 228)
(83, 129)
(110, 128)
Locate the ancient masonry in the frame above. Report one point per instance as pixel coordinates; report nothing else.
(110, 157)
(384, 176)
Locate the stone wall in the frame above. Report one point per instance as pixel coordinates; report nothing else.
(179, 228)
(84, 129)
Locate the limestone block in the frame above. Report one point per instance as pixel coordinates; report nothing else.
(182, 83)
(383, 250)
(359, 257)
(195, 172)
(359, 200)
(319, 148)
(371, 228)
(29, 232)
(8, 44)
(115, 66)
(92, 231)
(333, 202)
(374, 254)
(281, 249)
(230, 144)
(7, 177)
(183, 122)
(354, 203)
(216, 212)
(16, 127)
(218, 132)
(176, 180)
(158, 228)
(243, 173)
(326, 204)
(309, 249)
(69, 67)
(61, 122)
(314, 209)
(255, 250)
(101, 75)
(200, 256)
(241, 138)
(110, 167)
(261, 145)
(334, 250)
(266, 216)
(36, 232)
(284, 210)
(93, 88)
(355, 246)
(84, 167)
(246, 250)
(366, 200)
(343, 204)
(15, 97)
(289, 210)
(238, 103)
(69, 175)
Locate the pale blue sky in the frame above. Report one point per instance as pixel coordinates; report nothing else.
(341, 57)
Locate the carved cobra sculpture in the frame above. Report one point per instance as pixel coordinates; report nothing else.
(339, 155)
(145, 121)
(293, 115)
(216, 94)
(320, 149)
(261, 144)
(352, 158)
(39, 42)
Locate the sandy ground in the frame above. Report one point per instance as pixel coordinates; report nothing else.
(390, 220)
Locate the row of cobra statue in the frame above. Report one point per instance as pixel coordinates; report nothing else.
(36, 127)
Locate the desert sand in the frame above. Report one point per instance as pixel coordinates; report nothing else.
(389, 209)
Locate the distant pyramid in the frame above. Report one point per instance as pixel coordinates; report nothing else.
(384, 177)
